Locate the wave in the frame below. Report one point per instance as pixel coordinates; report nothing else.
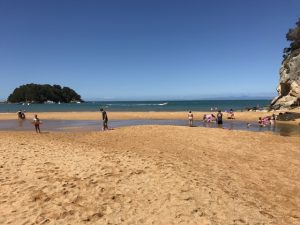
(138, 104)
(162, 104)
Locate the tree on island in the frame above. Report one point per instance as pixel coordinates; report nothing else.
(293, 35)
(40, 93)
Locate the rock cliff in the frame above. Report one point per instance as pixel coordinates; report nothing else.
(289, 83)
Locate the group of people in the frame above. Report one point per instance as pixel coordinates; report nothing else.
(265, 121)
(36, 121)
(207, 118)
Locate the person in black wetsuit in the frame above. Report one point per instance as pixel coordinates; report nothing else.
(219, 117)
(105, 119)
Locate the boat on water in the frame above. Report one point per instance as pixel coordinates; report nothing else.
(49, 102)
(74, 101)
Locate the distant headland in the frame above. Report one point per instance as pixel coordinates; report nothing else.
(43, 93)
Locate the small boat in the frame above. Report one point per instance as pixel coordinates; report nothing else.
(49, 102)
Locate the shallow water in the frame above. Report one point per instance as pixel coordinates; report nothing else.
(93, 125)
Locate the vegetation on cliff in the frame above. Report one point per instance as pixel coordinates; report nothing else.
(293, 35)
(40, 93)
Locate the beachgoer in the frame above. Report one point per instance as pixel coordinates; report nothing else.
(272, 119)
(209, 118)
(204, 117)
(260, 122)
(266, 120)
(190, 117)
(231, 115)
(105, 119)
(23, 117)
(19, 113)
(219, 117)
(36, 122)
(213, 117)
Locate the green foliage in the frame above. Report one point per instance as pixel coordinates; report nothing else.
(41, 93)
(293, 35)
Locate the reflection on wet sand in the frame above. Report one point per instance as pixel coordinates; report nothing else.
(20, 123)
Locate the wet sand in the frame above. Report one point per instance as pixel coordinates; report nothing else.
(149, 175)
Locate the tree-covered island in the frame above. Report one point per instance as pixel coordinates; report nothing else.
(41, 93)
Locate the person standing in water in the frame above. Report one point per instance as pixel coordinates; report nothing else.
(272, 120)
(36, 123)
(219, 118)
(191, 118)
(105, 119)
(260, 122)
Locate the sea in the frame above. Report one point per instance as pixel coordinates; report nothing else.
(138, 106)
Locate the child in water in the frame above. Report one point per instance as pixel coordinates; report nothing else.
(36, 122)
(260, 122)
(190, 117)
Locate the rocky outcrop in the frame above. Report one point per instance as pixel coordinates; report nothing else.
(288, 116)
(289, 83)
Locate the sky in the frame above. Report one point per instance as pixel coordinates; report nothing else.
(146, 49)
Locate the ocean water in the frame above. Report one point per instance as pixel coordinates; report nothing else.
(137, 106)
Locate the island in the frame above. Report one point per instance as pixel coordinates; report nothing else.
(43, 93)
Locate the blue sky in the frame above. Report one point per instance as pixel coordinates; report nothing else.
(145, 49)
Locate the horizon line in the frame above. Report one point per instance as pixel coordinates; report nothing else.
(156, 100)
(174, 100)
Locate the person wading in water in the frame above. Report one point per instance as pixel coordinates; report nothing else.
(191, 118)
(105, 119)
(219, 118)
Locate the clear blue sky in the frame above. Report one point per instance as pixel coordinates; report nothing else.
(145, 49)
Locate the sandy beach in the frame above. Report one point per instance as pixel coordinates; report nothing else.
(149, 175)
(244, 116)
(150, 112)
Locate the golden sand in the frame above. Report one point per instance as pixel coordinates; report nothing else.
(245, 116)
(149, 175)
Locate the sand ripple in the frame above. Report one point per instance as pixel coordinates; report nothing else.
(149, 175)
